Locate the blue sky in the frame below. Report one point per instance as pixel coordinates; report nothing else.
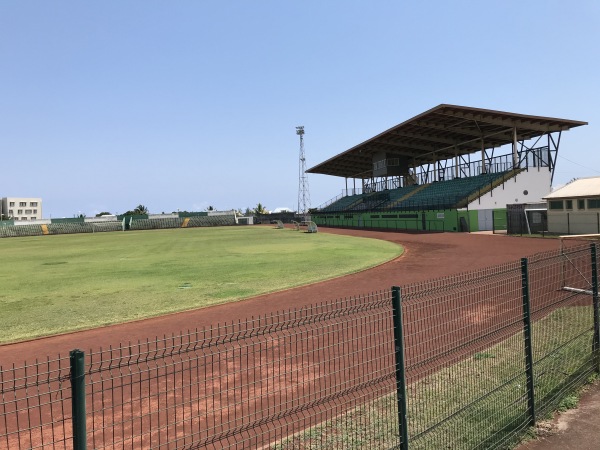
(186, 104)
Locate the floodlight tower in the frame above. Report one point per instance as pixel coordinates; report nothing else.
(303, 193)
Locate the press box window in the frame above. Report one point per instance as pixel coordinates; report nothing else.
(581, 204)
(556, 205)
(569, 204)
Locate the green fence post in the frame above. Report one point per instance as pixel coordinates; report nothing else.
(78, 399)
(596, 343)
(527, 336)
(400, 368)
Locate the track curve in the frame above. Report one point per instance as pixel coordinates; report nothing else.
(426, 256)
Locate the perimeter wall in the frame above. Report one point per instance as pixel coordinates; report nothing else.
(436, 220)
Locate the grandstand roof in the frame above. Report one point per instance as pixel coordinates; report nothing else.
(442, 133)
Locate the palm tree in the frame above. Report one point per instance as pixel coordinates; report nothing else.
(260, 209)
(140, 209)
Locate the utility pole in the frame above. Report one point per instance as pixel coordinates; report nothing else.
(303, 193)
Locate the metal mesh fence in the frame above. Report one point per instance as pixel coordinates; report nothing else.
(310, 378)
(563, 323)
(35, 405)
(483, 353)
(465, 365)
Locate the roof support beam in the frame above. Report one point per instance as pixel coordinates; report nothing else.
(429, 148)
(424, 137)
(514, 148)
(496, 120)
(482, 155)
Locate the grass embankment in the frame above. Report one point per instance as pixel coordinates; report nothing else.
(480, 402)
(54, 284)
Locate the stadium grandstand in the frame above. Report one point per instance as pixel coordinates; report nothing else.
(448, 169)
(10, 228)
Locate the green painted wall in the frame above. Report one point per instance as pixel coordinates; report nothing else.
(68, 220)
(136, 216)
(193, 214)
(442, 220)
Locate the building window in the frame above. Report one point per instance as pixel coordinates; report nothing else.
(34, 218)
(22, 203)
(35, 211)
(581, 204)
(23, 218)
(556, 205)
(569, 204)
(12, 203)
(11, 212)
(19, 211)
(27, 211)
(32, 203)
(594, 203)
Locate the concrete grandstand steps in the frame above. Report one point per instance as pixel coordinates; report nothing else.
(412, 190)
(455, 193)
(342, 203)
(372, 200)
(358, 201)
(156, 224)
(21, 230)
(106, 226)
(69, 228)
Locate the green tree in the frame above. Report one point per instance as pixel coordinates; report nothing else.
(210, 208)
(104, 213)
(139, 210)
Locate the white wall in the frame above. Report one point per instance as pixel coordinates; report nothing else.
(221, 213)
(34, 222)
(163, 216)
(535, 181)
(573, 222)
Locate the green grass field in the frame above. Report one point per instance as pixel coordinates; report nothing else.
(55, 284)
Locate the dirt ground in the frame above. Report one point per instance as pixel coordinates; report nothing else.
(575, 429)
(426, 256)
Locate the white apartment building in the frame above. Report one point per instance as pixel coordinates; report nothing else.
(21, 208)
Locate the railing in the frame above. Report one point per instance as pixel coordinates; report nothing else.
(530, 158)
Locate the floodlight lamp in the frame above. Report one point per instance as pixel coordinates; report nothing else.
(299, 130)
